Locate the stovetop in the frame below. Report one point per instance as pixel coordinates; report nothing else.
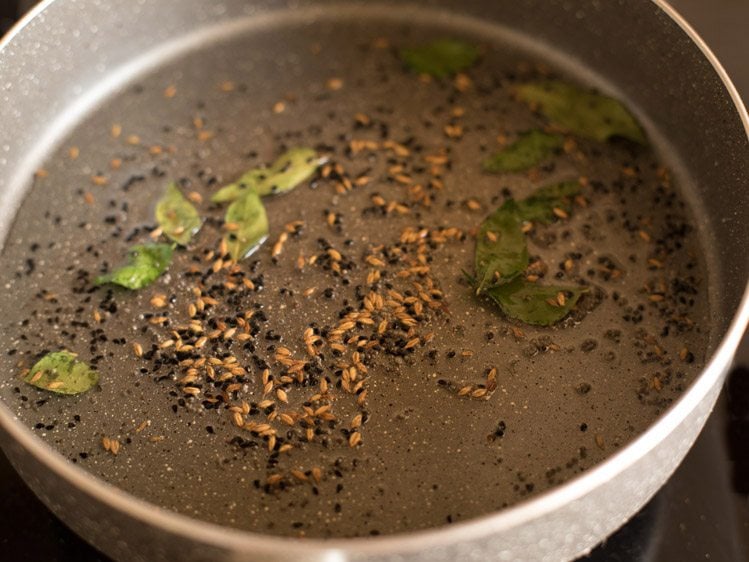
(702, 513)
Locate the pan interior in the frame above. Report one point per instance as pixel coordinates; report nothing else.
(567, 396)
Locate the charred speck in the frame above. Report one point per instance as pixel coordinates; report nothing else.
(500, 430)
(583, 388)
(588, 345)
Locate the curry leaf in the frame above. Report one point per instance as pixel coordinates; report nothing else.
(501, 253)
(147, 262)
(541, 305)
(539, 207)
(62, 373)
(531, 148)
(247, 224)
(287, 172)
(234, 191)
(582, 112)
(440, 58)
(177, 217)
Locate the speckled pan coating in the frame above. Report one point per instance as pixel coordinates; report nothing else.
(593, 515)
(567, 395)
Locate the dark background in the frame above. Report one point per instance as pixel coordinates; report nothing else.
(701, 514)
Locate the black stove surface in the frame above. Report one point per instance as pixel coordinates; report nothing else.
(702, 513)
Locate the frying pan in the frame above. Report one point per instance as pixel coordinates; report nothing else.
(69, 55)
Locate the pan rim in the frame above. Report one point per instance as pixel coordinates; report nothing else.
(482, 526)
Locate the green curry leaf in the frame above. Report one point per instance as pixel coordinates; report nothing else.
(531, 148)
(234, 191)
(582, 112)
(540, 305)
(146, 263)
(177, 217)
(62, 373)
(287, 172)
(440, 58)
(501, 252)
(502, 256)
(539, 207)
(249, 225)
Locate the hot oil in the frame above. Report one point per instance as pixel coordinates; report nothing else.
(430, 451)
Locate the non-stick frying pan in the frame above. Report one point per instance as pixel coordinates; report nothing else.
(69, 55)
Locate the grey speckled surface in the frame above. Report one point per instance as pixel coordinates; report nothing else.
(438, 466)
(643, 490)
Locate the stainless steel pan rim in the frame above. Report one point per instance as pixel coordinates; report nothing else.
(335, 549)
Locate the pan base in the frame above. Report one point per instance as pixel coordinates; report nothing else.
(567, 396)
